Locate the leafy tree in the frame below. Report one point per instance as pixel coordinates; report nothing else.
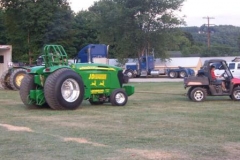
(224, 40)
(85, 32)
(134, 27)
(238, 42)
(3, 34)
(34, 23)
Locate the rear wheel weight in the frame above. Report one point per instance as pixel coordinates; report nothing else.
(64, 89)
(198, 94)
(118, 97)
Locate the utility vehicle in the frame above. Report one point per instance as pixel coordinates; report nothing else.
(203, 84)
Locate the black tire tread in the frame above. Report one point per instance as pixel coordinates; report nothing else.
(27, 84)
(5, 85)
(113, 94)
(232, 96)
(198, 88)
(189, 93)
(50, 86)
(49, 89)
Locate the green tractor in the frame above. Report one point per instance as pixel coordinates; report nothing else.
(11, 78)
(60, 85)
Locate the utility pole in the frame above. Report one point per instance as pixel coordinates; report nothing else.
(208, 29)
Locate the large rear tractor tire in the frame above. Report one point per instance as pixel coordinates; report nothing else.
(16, 78)
(5, 80)
(198, 94)
(64, 89)
(236, 94)
(27, 84)
(118, 97)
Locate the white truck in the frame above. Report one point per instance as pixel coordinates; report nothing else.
(234, 68)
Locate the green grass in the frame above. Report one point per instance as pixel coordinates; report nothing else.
(158, 122)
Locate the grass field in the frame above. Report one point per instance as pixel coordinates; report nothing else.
(158, 122)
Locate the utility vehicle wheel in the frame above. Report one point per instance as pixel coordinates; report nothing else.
(16, 78)
(118, 97)
(5, 80)
(64, 89)
(182, 74)
(172, 74)
(189, 93)
(236, 94)
(198, 94)
(27, 84)
(129, 73)
(95, 103)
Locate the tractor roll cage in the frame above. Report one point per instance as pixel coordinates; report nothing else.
(54, 55)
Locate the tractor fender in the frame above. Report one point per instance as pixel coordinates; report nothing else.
(54, 68)
(35, 70)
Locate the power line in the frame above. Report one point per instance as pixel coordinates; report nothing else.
(208, 29)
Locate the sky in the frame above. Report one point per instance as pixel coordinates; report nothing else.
(221, 12)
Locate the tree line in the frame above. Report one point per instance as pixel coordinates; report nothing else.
(130, 27)
(224, 40)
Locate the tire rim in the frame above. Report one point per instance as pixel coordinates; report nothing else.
(120, 98)
(198, 95)
(172, 74)
(70, 90)
(129, 74)
(182, 74)
(237, 94)
(19, 79)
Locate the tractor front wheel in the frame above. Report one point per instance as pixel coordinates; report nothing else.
(16, 78)
(198, 94)
(5, 80)
(64, 89)
(118, 97)
(236, 94)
